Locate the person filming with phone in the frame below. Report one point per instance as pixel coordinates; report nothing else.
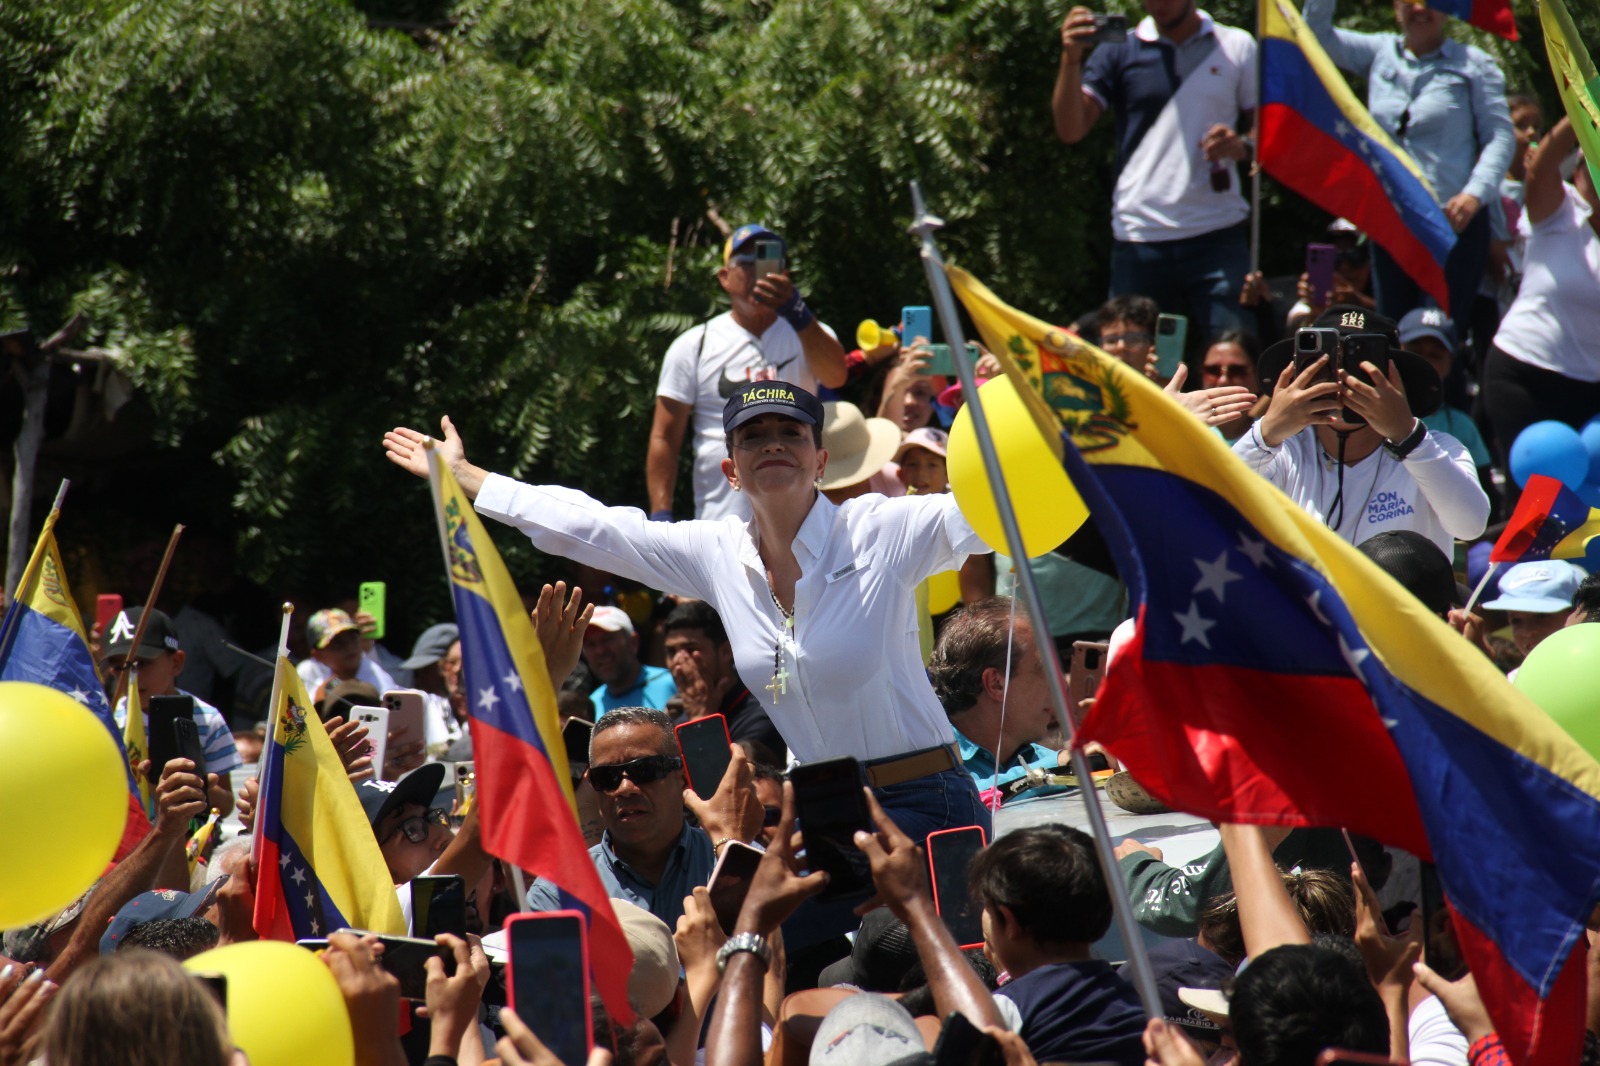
(818, 598)
(1343, 436)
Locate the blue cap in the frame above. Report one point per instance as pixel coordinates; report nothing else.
(744, 235)
(157, 906)
(1542, 587)
(1427, 322)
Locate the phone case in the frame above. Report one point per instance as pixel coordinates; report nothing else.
(575, 977)
(372, 595)
(936, 843)
(700, 752)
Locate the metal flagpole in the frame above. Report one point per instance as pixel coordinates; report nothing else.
(944, 302)
(272, 729)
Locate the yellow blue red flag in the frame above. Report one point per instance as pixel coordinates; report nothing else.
(1550, 522)
(135, 746)
(1276, 676)
(525, 801)
(320, 865)
(42, 640)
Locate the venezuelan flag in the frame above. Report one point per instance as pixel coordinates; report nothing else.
(1276, 676)
(1576, 79)
(42, 640)
(320, 866)
(1319, 140)
(1550, 522)
(136, 746)
(1492, 15)
(526, 805)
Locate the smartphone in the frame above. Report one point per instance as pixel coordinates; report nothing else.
(730, 882)
(575, 737)
(1434, 917)
(107, 606)
(376, 719)
(769, 258)
(550, 966)
(407, 711)
(832, 809)
(1337, 1056)
(439, 905)
(1085, 672)
(1110, 29)
(950, 852)
(916, 322)
(1311, 344)
(1358, 348)
(707, 750)
(961, 1043)
(1319, 272)
(466, 784)
(1172, 332)
(217, 984)
(942, 361)
(159, 734)
(187, 745)
(405, 957)
(371, 596)
(495, 993)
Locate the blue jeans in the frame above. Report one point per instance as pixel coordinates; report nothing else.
(1196, 276)
(1396, 293)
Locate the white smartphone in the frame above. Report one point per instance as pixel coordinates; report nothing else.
(407, 715)
(376, 720)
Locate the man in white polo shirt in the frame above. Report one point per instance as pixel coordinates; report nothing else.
(1179, 86)
(768, 334)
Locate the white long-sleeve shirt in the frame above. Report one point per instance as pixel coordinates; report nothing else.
(856, 683)
(1434, 490)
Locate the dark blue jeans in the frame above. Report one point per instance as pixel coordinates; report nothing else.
(1196, 276)
(1396, 293)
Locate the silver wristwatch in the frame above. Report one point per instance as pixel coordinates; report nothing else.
(754, 943)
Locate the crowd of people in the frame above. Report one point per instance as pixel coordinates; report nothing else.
(829, 598)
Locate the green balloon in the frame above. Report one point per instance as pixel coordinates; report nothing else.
(1562, 675)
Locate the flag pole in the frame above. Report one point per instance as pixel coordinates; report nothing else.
(272, 730)
(1482, 583)
(944, 302)
(9, 622)
(120, 689)
(1255, 153)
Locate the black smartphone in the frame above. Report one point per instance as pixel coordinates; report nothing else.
(730, 882)
(1311, 344)
(1435, 918)
(405, 957)
(549, 981)
(159, 734)
(495, 993)
(950, 852)
(439, 905)
(707, 751)
(217, 985)
(575, 738)
(186, 743)
(1358, 348)
(1109, 29)
(831, 809)
(961, 1043)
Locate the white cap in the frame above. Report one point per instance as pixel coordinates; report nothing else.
(612, 620)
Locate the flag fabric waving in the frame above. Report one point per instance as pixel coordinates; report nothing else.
(1550, 522)
(42, 640)
(1276, 676)
(525, 801)
(1576, 79)
(1492, 15)
(1318, 139)
(320, 866)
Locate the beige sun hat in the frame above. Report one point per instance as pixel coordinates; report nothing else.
(857, 446)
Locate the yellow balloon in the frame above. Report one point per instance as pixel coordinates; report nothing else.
(1049, 509)
(944, 591)
(53, 746)
(284, 1007)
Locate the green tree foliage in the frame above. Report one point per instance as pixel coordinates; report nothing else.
(299, 222)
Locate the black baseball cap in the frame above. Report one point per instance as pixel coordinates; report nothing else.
(378, 798)
(771, 398)
(159, 637)
(1424, 391)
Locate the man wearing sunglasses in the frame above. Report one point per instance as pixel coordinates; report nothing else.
(649, 854)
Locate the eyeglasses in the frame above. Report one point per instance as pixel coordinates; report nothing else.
(640, 771)
(415, 828)
(771, 816)
(1232, 371)
(1132, 339)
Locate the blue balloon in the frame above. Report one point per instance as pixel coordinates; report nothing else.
(1590, 434)
(1589, 491)
(1553, 449)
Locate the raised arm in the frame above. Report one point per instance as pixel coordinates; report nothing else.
(1267, 916)
(408, 450)
(1075, 111)
(1348, 49)
(1542, 192)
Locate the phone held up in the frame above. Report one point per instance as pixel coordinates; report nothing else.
(832, 806)
(707, 751)
(549, 981)
(1109, 29)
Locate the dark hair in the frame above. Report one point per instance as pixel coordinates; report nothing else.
(1293, 1001)
(1239, 337)
(1587, 598)
(1140, 310)
(180, 938)
(1516, 100)
(1050, 880)
(916, 995)
(697, 614)
(766, 771)
(619, 716)
(973, 640)
(574, 704)
(1324, 899)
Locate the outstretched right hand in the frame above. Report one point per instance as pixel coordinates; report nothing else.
(1300, 400)
(408, 450)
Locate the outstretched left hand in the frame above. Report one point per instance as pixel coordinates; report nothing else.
(1214, 407)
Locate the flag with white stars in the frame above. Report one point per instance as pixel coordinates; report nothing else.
(1276, 676)
(526, 807)
(42, 640)
(1320, 141)
(320, 865)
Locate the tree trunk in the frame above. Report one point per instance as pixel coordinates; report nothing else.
(34, 378)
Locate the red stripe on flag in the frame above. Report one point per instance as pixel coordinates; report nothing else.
(134, 829)
(1538, 499)
(271, 917)
(1176, 729)
(1317, 166)
(1514, 1006)
(527, 820)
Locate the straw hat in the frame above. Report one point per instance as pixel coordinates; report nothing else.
(857, 446)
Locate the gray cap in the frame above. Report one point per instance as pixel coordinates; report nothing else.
(431, 646)
(866, 1029)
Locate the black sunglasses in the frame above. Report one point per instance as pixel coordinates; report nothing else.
(639, 771)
